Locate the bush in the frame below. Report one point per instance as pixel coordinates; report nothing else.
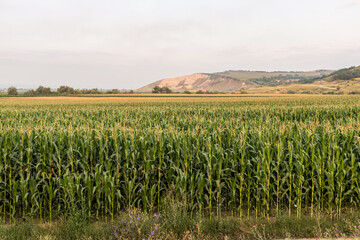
(75, 227)
(175, 215)
(291, 92)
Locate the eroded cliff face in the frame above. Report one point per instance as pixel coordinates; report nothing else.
(199, 81)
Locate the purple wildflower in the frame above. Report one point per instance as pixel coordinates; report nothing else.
(152, 233)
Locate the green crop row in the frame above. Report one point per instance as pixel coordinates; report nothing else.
(245, 158)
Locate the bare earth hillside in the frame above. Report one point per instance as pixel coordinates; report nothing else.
(231, 81)
(200, 81)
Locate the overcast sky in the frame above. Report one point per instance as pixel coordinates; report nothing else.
(127, 44)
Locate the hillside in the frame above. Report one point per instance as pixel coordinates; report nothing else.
(231, 81)
(343, 81)
(344, 74)
(200, 81)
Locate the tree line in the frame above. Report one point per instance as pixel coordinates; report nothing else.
(62, 90)
(66, 90)
(158, 89)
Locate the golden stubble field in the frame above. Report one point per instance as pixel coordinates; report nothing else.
(173, 98)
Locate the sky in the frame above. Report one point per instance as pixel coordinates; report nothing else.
(126, 44)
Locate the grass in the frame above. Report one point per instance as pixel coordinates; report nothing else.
(174, 223)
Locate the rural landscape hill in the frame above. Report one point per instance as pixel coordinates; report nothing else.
(229, 81)
(317, 81)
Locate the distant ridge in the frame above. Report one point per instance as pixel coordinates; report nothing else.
(231, 81)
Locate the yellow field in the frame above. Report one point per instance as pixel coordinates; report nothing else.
(146, 98)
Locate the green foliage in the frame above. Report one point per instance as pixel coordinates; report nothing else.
(218, 227)
(43, 90)
(209, 92)
(283, 79)
(135, 224)
(69, 90)
(175, 215)
(91, 91)
(291, 92)
(244, 156)
(113, 91)
(158, 89)
(17, 231)
(346, 74)
(30, 92)
(12, 91)
(74, 227)
(65, 90)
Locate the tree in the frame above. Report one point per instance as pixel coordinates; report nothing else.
(115, 91)
(12, 91)
(95, 91)
(156, 89)
(166, 90)
(65, 90)
(43, 90)
(187, 92)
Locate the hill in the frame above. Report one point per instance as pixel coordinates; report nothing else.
(343, 81)
(201, 81)
(231, 81)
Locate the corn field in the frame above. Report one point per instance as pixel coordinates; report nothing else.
(244, 156)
